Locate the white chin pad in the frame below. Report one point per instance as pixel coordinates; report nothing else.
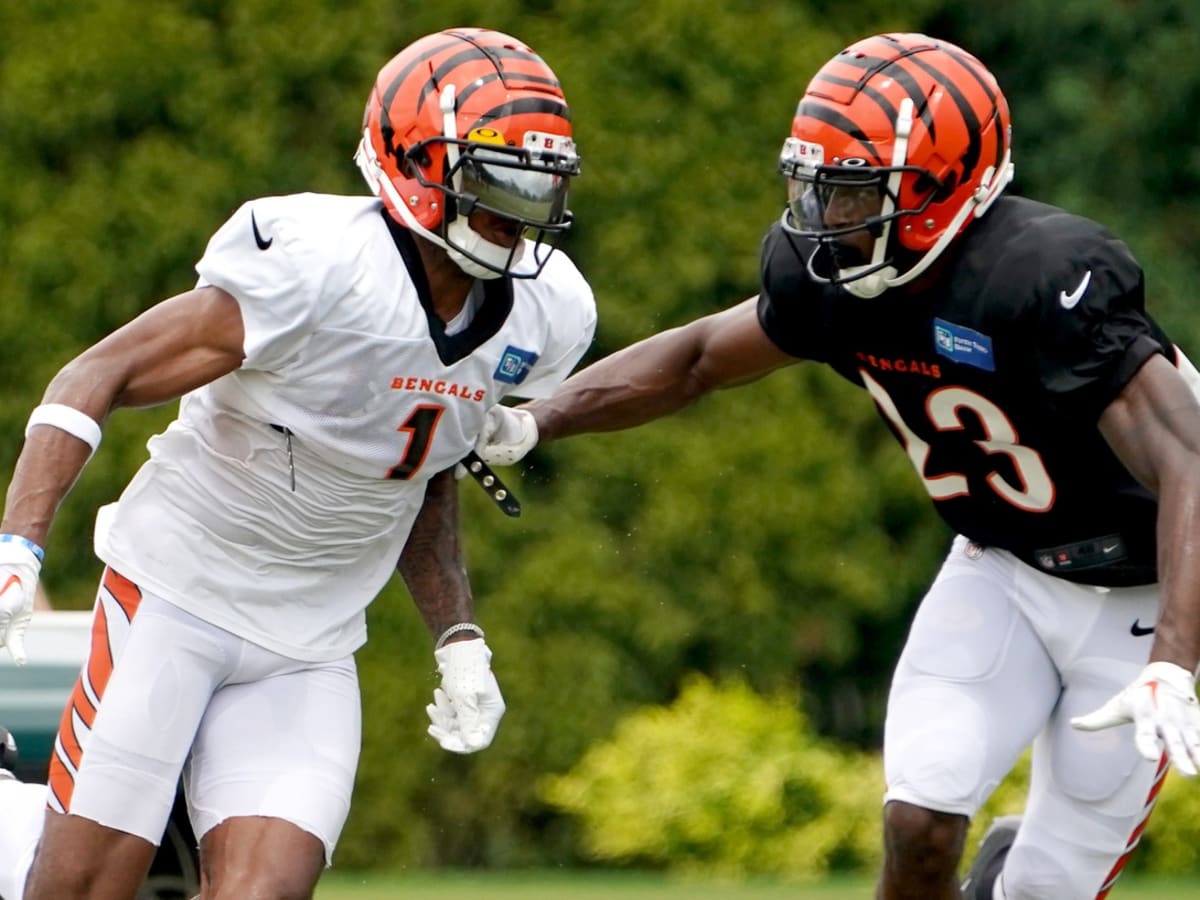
(462, 239)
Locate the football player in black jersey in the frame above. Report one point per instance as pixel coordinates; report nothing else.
(1053, 422)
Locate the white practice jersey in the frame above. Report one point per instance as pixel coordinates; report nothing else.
(277, 503)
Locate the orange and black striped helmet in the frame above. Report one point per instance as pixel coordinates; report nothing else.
(918, 120)
(469, 118)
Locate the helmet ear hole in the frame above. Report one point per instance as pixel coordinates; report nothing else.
(926, 183)
(948, 187)
(421, 157)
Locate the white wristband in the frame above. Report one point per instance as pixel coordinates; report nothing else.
(455, 629)
(24, 542)
(68, 419)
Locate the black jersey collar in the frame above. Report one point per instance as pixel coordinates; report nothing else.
(497, 301)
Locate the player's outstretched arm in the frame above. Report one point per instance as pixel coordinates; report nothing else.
(661, 374)
(647, 380)
(468, 706)
(1154, 427)
(173, 347)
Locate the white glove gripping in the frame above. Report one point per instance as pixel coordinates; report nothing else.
(507, 435)
(1162, 706)
(19, 570)
(467, 708)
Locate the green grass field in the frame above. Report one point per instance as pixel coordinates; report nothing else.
(624, 886)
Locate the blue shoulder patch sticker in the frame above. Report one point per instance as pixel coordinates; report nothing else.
(963, 345)
(515, 364)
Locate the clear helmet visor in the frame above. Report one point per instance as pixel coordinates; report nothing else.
(821, 202)
(533, 196)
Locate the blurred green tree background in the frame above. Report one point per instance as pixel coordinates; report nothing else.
(773, 534)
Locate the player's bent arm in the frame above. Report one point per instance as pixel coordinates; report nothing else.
(1154, 428)
(431, 563)
(174, 347)
(661, 374)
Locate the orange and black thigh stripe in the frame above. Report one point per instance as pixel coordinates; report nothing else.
(120, 597)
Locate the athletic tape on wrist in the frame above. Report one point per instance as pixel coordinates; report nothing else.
(457, 629)
(68, 419)
(24, 542)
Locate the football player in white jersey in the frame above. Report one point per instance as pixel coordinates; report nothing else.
(336, 358)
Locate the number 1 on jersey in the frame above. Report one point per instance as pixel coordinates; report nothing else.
(420, 427)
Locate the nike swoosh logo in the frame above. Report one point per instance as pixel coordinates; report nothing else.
(264, 244)
(1139, 631)
(1068, 301)
(12, 579)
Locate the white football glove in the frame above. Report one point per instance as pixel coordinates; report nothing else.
(467, 708)
(507, 435)
(19, 570)
(1162, 706)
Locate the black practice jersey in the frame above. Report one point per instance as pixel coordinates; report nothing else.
(994, 379)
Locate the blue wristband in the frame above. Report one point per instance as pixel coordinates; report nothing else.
(24, 542)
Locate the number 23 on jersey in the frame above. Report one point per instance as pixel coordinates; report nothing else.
(1036, 490)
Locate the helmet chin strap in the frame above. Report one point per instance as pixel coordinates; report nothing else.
(872, 284)
(877, 276)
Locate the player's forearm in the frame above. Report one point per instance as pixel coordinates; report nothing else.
(46, 469)
(645, 381)
(52, 458)
(431, 563)
(1177, 632)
